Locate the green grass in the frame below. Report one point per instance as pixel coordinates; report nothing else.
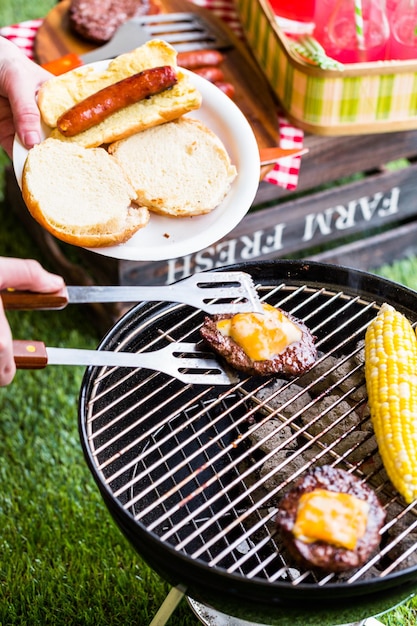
(63, 560)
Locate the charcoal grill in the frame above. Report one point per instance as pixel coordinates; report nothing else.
(192, 474)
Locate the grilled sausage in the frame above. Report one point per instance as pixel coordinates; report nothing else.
(103, 103)
(199, 58)
(211, 73)
(226, 88)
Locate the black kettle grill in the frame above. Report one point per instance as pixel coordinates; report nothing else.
(192, 474)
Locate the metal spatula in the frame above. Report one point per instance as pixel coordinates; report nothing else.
(184, 31)
(213, 292)
(187, 362)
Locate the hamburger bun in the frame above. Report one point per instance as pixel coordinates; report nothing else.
(60, 93)
(80, 195)
(185, 169)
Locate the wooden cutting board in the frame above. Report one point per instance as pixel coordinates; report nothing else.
(252, 93)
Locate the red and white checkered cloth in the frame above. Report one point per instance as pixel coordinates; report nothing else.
(284, 174)
(225, 10)
(23, 35)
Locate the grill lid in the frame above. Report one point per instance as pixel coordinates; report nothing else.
(193, 474)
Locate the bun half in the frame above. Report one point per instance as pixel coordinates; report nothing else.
(80, 195)
(178, 169)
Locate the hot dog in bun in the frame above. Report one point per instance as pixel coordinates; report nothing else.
(61, 94)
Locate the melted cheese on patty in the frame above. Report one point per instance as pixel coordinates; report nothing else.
(261, 336)
(339, 519)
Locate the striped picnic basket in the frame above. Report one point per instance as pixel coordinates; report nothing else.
(362, 98)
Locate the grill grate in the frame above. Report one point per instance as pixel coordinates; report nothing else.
(203, 468)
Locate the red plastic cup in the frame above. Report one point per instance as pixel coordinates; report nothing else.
(300, 11)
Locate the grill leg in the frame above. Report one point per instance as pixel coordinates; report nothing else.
(167, 607)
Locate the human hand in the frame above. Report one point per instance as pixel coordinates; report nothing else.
(20, 274)
(20, 79)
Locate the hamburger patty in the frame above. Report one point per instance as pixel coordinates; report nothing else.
(97, 20)
(296, 359)
(318, 554)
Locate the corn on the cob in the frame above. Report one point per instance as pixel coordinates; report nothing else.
(391, 381)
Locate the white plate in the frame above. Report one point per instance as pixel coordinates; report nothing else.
(167, 238)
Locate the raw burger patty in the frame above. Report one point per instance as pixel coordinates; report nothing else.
(97, 20)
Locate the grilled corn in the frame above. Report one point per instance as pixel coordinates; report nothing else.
(391, 381)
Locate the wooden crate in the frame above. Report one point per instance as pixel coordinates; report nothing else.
(377, 211)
